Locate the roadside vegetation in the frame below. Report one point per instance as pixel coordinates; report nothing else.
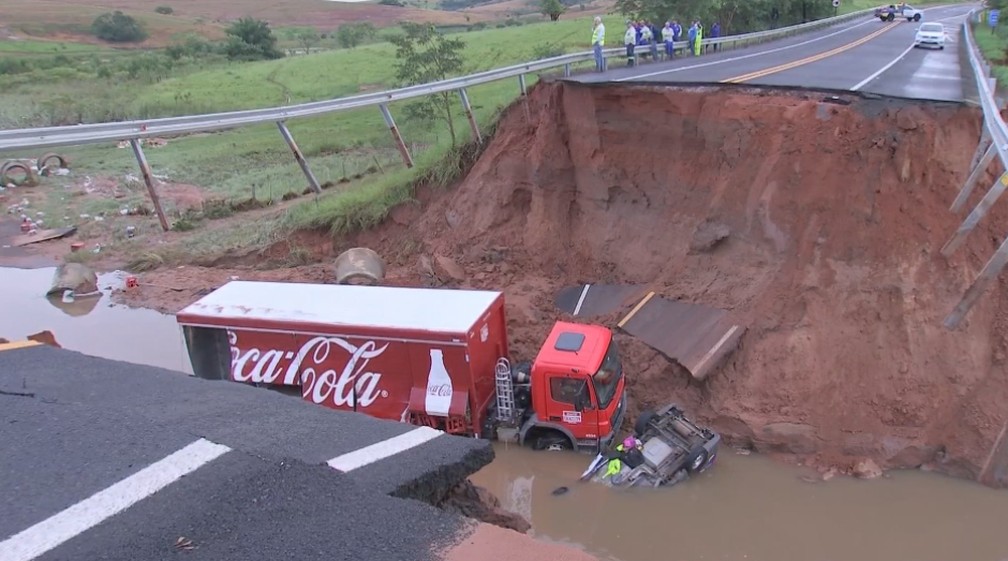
(993, 43)
(251, 65)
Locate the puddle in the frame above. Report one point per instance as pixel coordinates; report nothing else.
(745, 509)
(91, 325)
(748, 508)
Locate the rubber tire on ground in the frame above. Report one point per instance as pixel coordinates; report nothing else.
(546, 442)
(640, 427)
(698, 452)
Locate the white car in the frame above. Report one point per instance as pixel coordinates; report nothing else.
(930, 34)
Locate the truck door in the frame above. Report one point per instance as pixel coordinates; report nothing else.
(571, 404)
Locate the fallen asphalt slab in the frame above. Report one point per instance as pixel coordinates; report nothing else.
(112, 460)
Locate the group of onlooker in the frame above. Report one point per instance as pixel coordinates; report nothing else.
(644, 33)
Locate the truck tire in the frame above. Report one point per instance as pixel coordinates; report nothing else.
(552, 442)
(643, 420)
(697, 460)
(891, 17)
(917, 17)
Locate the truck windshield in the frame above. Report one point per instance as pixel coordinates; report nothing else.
(607, 378)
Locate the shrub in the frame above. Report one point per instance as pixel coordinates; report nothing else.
(164, 10)
(117, 27)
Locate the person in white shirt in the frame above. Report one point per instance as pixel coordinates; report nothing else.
(630, 39)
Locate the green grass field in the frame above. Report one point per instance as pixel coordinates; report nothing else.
(352, 150)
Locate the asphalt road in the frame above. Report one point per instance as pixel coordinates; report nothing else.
(865, 55)
(240, 471)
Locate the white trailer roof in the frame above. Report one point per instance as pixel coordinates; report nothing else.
(428, 309)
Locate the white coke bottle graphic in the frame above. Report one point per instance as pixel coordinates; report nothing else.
(439, 386)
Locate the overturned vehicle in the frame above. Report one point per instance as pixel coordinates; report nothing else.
(666, 448)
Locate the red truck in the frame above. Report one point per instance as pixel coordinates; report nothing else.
(434, 357)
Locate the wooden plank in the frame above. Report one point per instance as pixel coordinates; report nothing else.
(42, 236)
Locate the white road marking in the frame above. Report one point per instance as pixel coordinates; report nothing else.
(774, 50)
(381, 450)
(584, 292)
(894, 61)
(744, 56)
(95, 509)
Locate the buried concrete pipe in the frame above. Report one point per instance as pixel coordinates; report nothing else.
(359, 265)
(13, 166)
(43, 162)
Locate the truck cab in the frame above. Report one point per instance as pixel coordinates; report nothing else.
(578, 390)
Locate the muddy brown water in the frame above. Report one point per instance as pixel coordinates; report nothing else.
(746, 508)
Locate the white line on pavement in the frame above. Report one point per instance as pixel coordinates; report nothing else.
(893, 62)
(93, 510)
(760, 53)
(743, 57)
(380, 450)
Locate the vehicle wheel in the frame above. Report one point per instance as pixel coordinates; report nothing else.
(553, 443)
(941, 47)
(697, 460)
(640, 427)
(891, 17)
(916, 17)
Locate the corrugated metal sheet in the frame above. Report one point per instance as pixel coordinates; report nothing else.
(698, 337)
(598, 299)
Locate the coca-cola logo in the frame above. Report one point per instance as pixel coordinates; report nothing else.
(440, 390)
(313, 368)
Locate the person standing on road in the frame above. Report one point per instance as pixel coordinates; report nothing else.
(598, 41)
(691, 37)
(715, 32)
(630, 39)
(646, 37)
(668, 37)
(699, 38)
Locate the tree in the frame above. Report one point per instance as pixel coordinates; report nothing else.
(117, 27)
(352, 34)
(251, 39)
(552, 8)
(424, 55)
(307, 38)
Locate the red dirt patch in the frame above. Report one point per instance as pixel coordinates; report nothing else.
(836, 213)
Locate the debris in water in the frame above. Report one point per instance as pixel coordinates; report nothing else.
(560, 491)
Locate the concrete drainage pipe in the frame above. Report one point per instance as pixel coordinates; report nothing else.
(359, 265)
(14, 166)
(43, 162)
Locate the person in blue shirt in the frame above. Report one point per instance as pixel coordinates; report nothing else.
(691, 36)
(715, 32)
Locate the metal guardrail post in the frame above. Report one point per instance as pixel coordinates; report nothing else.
(312, 182)
(567, 70)
(149, 180)
(974, 217)
(990, 272)
(521, 83)
(407, 158)
(470, 115)
(978, 169)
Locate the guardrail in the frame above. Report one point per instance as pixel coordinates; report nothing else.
(993, 143)
(48, 137)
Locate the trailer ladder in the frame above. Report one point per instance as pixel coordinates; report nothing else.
(505, 389)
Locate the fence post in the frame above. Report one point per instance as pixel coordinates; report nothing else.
(990, 272)
(312, 182)
(470, 116)
(149, 180)
(567, 70)
(407, 158)
(521, 84)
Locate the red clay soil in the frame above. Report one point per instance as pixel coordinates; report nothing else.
(489, 542)
(837, 211)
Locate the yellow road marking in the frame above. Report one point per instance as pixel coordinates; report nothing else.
(635, 310)
(807, 60)
(17, 345)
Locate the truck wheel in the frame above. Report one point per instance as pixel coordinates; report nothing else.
(697, 460)
(891, 17)
(916, 17)
(641, 426)
(553, 443)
